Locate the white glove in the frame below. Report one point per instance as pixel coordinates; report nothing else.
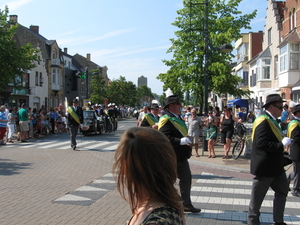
(185, 141)
(286, 141)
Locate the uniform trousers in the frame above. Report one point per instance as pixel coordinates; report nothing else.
(294, 175)
(73, 134)
(260, 187)
(185, 181)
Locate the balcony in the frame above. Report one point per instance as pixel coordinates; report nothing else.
(55, 87)
(55, 62)
(288, 78)
(20, 92)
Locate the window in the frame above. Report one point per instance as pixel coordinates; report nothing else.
(36, 78)
(276, 66)
(294, 56)
(54, 55)
(270, 36)
(54, 76)
(292, 19)
(283, 58)
(266, 68)
(25, 80)
(41, 79)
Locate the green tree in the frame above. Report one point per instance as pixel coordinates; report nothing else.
(14, 60)
(98, 87)
(122, 92)
(194, 38)
(144, 94)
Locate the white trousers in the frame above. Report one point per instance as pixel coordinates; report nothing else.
(11, 130)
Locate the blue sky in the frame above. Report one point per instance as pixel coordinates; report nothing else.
(130, 37)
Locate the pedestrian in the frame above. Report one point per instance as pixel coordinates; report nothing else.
(211, 134)
(284, 116)
(227, 130)
(176, 131)
(250, 117)
(194, 125)
(151, 119)
(11, 125)
(23, 117)
(75, 118)
(294, 133)
(145, 172)
(142, 113)
(267, 161)
(3, 124)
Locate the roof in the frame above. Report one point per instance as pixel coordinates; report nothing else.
(264, 54)
(292, 37)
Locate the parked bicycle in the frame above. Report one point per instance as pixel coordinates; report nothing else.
(244, 142)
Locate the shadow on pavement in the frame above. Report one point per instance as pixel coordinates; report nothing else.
(9, 167)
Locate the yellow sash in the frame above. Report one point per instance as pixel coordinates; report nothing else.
(178, 124)
(292, 125)
(274, 128)
(150, 119)
(71, 111)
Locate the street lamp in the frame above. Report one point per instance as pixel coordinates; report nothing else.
(225, 48)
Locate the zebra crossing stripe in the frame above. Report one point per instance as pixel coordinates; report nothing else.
(30, 144)
(56, 144)
(110, 148)
(236, 195)
(89, 193)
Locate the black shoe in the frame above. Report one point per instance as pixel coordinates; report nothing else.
(280, 223)
(190, 208)
(23, 141)
(74, 147)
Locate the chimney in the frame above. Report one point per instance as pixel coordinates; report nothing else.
(88, 57)
(66, 50)
(34, 28)
(13, 18)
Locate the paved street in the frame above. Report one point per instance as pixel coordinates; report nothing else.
(45, 182)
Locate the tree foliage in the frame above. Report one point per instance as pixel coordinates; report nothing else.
(122, 92)
(98, 87)
(144, 95)
(14, 60)
(187, 67)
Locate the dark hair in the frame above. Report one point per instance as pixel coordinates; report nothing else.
(146, 160)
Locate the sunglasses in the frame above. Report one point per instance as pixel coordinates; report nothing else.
(278, 107)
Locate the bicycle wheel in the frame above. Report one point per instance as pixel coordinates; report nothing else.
(238, 148)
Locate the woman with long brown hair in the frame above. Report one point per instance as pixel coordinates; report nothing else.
(145, 170)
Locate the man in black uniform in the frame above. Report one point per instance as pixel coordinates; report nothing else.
(75, 118)
(151, 119)
(294, 133)
(267, 161)
(176, 131)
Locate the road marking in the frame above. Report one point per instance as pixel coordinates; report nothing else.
(70, 197)
(87, 194)
(211, 190)
(56, 144)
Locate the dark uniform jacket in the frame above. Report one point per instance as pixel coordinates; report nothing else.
(267, 152)
(145, 122)
(295, 146)
(183, 152)
(71, 120)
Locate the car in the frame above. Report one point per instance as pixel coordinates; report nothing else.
(92, 123)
